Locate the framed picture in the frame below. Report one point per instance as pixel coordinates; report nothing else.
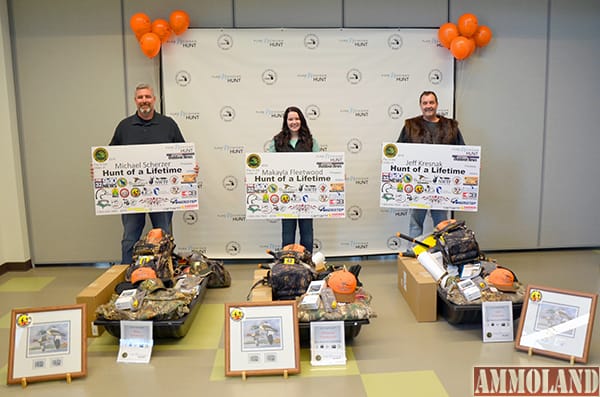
(557, 323)
(261, 338)
(47, 343)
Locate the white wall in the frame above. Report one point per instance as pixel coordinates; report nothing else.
(527, 99)
(70, 84)
(494, 113)
(570, 189)
(14, 242)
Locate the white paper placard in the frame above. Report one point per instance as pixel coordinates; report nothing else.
(144, 178)
(497, 321)
(135, 345)
(430, 176)
(327, 343)
(295, 185)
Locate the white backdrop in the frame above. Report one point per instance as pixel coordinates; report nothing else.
(227, 90)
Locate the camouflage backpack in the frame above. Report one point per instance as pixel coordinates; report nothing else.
(156, 248)
(219, 277)
(456, 242)
(290, 276)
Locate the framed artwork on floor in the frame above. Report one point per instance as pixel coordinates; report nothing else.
(261, 338)
(557, 323)
(47, 343)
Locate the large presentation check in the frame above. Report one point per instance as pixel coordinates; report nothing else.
(295, 185)
(430, 176)
(144, 178)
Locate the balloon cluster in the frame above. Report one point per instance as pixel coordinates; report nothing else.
(462, 38)
(151, 35)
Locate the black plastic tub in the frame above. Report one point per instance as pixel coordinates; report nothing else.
(165, 329)
(466, 314)
(351, 330)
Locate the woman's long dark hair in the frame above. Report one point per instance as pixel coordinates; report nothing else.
(304, 136)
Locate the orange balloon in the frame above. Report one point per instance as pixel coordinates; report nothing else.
(150, 44)
(446, 33)
(460, 48)
(467, 24)
(140, 24)
(472, 46)
(482, 36)
(180, 21)
(162, 29)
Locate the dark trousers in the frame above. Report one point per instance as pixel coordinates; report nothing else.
(288, 232)
(133, 226)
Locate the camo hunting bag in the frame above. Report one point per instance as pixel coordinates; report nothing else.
(456, 242)
(219, 277)
(156, 248)
(290, 276)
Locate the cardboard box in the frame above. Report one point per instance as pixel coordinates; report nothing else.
(261, 293)
(259, 274)
(418, 288)
(99, 292)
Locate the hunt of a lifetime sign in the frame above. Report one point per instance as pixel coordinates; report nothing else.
(295, 185)
(144, 178)
(426, 176)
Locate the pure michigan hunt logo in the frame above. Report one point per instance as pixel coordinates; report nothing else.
(253, 160)
(100, 154)
(390, 150)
